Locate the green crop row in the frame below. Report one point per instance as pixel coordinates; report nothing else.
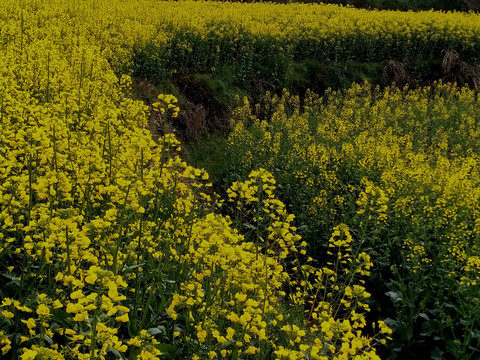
(159, 40)
(401, 170)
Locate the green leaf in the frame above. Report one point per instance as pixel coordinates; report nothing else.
(424, 301)
(134, 353)
(453, 347)
(249, 226)
(128, 269)
(117, 353)
(424, 316)
(436, 354)
(395, 296)
(63, 318)
(10, 276)
(48, 339)
(157, 330)
(427, 330)
(177, 328)
(166, 348)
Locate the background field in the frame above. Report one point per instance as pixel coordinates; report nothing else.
(405, 5)
(323, 203)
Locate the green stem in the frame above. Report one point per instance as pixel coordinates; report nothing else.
(109, 153)
(119, 239)
(67, 241)
(93, 339)
(30, 190)
(48, 79)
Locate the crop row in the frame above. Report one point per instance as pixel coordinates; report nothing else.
(157, 39)
(401, 170)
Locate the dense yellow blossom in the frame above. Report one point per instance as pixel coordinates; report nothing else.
(164, 37)
(399, 166)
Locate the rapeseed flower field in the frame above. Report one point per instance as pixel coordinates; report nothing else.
(400, 168)
(160, 39)
(113, 247)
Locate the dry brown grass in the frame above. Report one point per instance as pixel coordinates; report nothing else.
(470, 5)
(194, 118)
(454, 70)
(472, 76)
(451, 63)
(395, 72)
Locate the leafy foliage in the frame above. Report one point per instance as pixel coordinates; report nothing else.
(400, 168)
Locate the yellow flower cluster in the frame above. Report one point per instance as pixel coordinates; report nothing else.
(416, 254)
(255, 201)
(413, 157)
(167, 105)
(85, 195)
(146, 343)
(5, 343)
(373, 199)
(173, 35)
(236, 292)
(399, 166)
